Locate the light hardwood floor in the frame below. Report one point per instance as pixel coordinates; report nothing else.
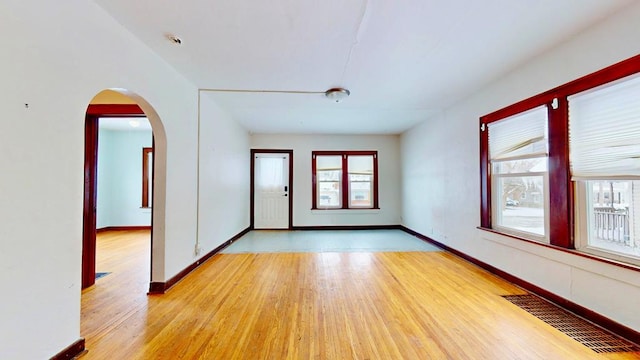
(406, 305)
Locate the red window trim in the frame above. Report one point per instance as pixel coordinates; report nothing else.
(561, 210)
(345, 178)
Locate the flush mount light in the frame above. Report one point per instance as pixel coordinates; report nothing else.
(174, 39)
(337, 94)
(134, 123)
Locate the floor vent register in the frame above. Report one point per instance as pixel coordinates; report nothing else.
(578, 329)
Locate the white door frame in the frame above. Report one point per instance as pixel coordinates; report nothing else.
(254, 152)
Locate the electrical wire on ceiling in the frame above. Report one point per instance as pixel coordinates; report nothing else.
(263, 91)
(333, 94)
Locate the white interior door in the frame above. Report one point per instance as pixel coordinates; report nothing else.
(271, 191)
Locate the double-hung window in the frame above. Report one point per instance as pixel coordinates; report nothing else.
(518, 156)
(563, 167)
(604, 128)
(345, 179)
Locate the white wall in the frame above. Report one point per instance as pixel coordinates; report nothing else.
(56, 57)
(224, 176)
(441, 185)
(388, 147)
(120, 178)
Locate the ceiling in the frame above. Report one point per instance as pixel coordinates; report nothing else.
(403, 61)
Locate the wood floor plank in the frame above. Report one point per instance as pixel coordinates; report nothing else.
(412, 305)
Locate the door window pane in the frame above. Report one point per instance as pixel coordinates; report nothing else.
(271, 174)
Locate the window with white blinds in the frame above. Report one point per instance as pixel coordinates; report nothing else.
(519, 178)
(604, 145)
(563, 166)
(604, 131)
(519, 136)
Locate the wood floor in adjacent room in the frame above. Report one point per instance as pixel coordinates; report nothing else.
(357, 305)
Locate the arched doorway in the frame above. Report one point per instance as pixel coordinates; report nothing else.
(122, 103)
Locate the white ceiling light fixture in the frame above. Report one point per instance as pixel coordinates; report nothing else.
(337, 94)
(134, 123)
(175, 39)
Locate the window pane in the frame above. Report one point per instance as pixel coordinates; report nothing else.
(271, 174)
(329, 194)
(360, 193)
(329, 180)
(519, 203)
(614, 215)
(360, 181)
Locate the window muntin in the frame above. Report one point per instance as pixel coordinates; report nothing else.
(344, 179)
(518, 158)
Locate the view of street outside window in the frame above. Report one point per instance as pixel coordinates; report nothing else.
(520, 195)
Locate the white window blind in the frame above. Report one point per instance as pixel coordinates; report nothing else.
(604, 131)
(328, 162)
(271, 173)
(360, 164)
(519, 136)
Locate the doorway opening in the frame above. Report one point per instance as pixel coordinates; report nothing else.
(271, 189)
(123, 122)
